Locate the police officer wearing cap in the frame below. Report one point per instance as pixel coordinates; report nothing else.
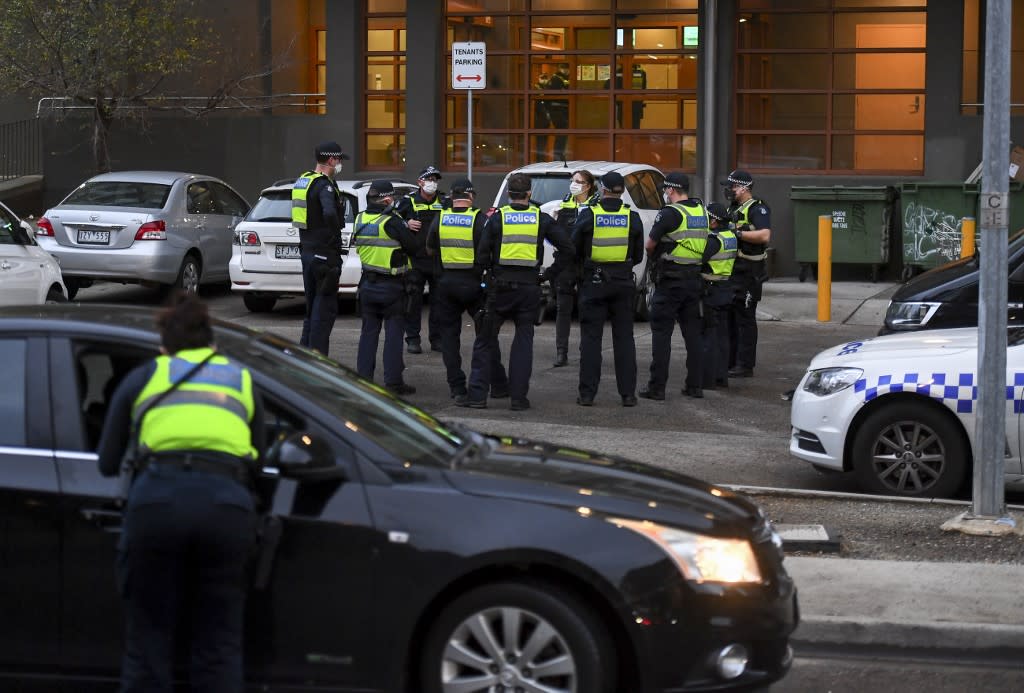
(752, 220)
(718, 296)
(609, 240)
(384, 244)
(420, 209)
(319, 214)
(452, 241)
(195, 421)
(512, 251)
(677, 248)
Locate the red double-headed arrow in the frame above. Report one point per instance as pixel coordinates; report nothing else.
(475, 78)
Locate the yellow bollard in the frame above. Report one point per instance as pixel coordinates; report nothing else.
(967, 232)
(824, 268)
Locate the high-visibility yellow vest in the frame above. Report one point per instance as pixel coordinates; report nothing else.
(299, 197)
(748, 250)
(691, 236)
(374, 245)
(455, 233)
(611, 235)
(519, 231)
(419, 207)
(721, 263)
(210, 411)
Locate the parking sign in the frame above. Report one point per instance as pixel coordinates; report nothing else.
(469, 65)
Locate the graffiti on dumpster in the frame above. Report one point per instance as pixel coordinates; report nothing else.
(930, 236)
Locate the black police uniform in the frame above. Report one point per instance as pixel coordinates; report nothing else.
(677, 299)
(558, 114)
(717, 301)
(459, 292)
(382, 302)
(748, 275)
(566, 282)
(607, 292)
(188, 533)
(320, 247)
(422, 272)
(516, 298)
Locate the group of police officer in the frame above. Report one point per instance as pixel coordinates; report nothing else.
(706, 263)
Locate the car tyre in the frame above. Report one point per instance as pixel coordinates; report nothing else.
(513, 632)
(188, 276)
(55, 295)
(644, 298)
(72, 285)
(259, 304)
(910, 449)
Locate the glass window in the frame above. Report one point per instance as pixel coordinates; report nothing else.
(642, 189)
(275, 205)
(797, 30)
(486, 5)
(228, 201)
(498, 32)
(384, 86)
(8, 224)
(385, 151)
(783, 70)
(13, 403)
(781, 112)
(200, 199)
(973, 80)
(797, 152)
(120, 194)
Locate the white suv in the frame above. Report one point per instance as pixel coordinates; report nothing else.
(643, 195)
(265, 264)
(28, 274)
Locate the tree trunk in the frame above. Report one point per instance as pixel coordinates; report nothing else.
(102, 118)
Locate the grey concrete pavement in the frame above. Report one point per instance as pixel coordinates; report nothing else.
(853, 303)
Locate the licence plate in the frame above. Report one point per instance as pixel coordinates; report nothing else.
(94, 237)
(287, 252)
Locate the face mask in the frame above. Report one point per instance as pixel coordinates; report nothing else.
(730, 195)
(667, 197)
(575, 188)
(337, 168)
(429, 187)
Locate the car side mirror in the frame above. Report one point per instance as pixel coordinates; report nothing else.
(23, 234)
(303, 457)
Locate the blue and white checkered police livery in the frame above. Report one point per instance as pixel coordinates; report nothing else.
(957, 391)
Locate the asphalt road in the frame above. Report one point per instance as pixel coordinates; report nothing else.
(734, 436)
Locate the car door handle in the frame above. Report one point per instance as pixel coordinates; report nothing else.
(5, 265)
(107, 520)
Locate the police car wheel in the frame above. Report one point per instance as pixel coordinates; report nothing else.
(910, 449)
(517, 635)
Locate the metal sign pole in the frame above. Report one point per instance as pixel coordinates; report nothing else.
(469, 134)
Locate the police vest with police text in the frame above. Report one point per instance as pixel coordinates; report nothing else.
(722, 262)
(210, 411)
(611, 235)
(455, 233)
(425, 211)
(690, 237)
(520, 229)
(374, 245)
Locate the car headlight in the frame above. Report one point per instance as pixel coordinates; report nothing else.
(700, 558)
(910, 315)
(826, 381)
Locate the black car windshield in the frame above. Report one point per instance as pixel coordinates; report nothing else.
(273, 205)
(545, 188)
(110, 193)
(405, 431)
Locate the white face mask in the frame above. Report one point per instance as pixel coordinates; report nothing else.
(575, 188)
(429, 187)
(337, 168)
(667, 197)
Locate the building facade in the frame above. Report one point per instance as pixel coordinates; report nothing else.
(798, 92)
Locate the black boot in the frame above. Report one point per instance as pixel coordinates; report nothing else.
(561, 358)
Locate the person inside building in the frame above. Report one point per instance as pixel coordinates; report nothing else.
(609, 240)
(752, 220)
(582, 193)
(192, 424)
(511, 252)
(676, 251)
(319, 214)
(558, 110)
(718, 295)
(384, 244)
(420, 209)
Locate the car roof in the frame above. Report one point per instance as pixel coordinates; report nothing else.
(596, 167)
(287, 183)
(166, 177)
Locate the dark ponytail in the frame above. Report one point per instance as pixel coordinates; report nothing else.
(184, 323)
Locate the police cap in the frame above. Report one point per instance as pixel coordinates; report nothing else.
(717, 211)
(739, 177)
(462, 186)
(430, 171)
(380, 188)
(326, 150)
(677, 181)
(613, 182)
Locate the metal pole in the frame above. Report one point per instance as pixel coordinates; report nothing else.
(469, 135)
(707, 124)
(825, 268)
(989, 499)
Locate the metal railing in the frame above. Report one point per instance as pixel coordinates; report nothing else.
(311, 102)
(21, 149)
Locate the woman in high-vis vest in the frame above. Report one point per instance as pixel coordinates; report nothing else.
(196, 426)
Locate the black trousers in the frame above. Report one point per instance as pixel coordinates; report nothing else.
(747, 278)
(718, 298)
(381, 303)
(458, 295)
(676, 301)
(182, 560)
(565, 296)
(519, 305)
(321, 310)
(607, 301)
(418, 278)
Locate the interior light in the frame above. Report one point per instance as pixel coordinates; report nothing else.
(742, 19)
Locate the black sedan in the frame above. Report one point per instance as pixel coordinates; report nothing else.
(402, 553)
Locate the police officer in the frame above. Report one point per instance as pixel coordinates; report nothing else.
(512, 251)
(319, 214)
(582, 193)
(753, 231)
(189, 522)
(452, 240)
(609, 239)
(420, 209)
(384, 244)
(718, 296)
(676, 247)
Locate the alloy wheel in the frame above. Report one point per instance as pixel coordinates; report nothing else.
(908, 457)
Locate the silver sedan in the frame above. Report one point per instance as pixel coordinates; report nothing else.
(162, 228)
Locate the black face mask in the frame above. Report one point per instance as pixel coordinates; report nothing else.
(729, 193)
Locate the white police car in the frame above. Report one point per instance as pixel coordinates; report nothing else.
(899, 411)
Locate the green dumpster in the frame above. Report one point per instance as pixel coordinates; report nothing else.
(863, 220)
(932, 215)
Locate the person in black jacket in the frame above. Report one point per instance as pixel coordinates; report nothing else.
(609, 240)
(582, 193)
(511, 252)
(420, 209)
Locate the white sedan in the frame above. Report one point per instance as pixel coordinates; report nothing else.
(28, 274)
(899, 411)
(265, 263)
